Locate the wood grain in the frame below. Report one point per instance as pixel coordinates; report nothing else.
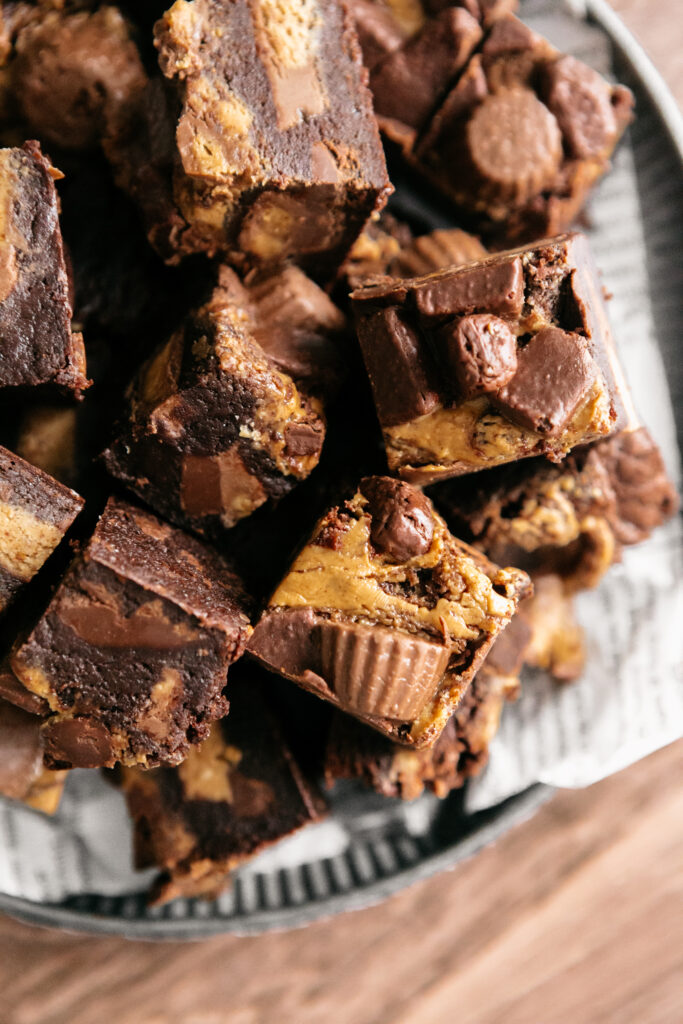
(575, 916)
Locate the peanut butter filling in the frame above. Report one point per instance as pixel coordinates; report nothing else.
(206, 771)
(25, 541)
(353, 579)
(474, 434)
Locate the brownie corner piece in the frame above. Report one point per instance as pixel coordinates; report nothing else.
(239, 792)
(35, 514)
(385, 614)
(272, 150)
(216, 425)
(491, 362)
(37, 345)
(523, 135)
(133, 649)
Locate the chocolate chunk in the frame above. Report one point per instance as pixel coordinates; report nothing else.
(407, 85)
(402, 523)
(398, 365)
(581, 100)
(77, 743)
(73, 72)
(379, 33)
(21, 751)
(490, 287)
(304, 439)
(555, 372)
(481, 352)
(515, 144)
(288, 642)
(14, 693)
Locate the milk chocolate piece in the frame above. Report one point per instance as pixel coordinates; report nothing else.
(12, 691)
(408, 84)
(236, 794)
(402, 525)
(461, 751)
(262, 143)
(569, 520)
(35, 514)
(394, 632)
(453, 403)
(379, 32)
(133, 649)
(214, 427)
(482, 351)
(522, 137)
(555, 373)
(73, 72)
(22, 775)
(37, 345)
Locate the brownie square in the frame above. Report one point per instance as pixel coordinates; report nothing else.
(491, 362)
(35, 513)
(262, 145)
(570, 520)
(37, 345)
(216, 425)
(236, 794)
(133, 649)
(522, 136)
(385, 614)
(22, 773)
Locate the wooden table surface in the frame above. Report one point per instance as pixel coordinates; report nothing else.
(574, 918)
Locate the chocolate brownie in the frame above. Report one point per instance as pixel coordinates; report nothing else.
(461, 751)
(35, 513)
(386, 615)
(236, 794)
(14, 692)
(133, 649)
(37, 345)
(216, 425)
(523, 136)
(22, 773)
(570, 520)
(262, 144)
(491, 362)
(72, 73)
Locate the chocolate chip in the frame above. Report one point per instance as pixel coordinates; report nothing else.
(554, 375)
(77, 743)
(580, 99)
(398, 365)
(481, 353)
(488, 288)
(402, 522)
(514, 144)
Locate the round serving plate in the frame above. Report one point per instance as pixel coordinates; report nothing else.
(371, 847)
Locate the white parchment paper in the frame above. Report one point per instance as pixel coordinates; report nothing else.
(628, 702)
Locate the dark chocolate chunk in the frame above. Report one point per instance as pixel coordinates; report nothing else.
(398, 365)
(402, 522)
(554, 374)
(492, 287)
(77, 743)
(481, 352)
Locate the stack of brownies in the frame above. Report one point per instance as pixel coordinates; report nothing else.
(226, 378)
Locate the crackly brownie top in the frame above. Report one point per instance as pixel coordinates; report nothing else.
(270, 90)
(386, 557)
(171, 564)
(526, 330)
(36, 343)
